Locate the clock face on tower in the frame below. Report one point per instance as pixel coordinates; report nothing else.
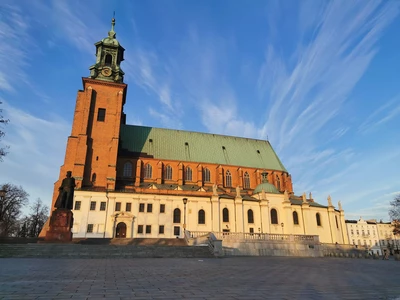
(106, 72)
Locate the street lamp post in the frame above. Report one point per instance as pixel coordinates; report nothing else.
(184, 213)
(282, 227)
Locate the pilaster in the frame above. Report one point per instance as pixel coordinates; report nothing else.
(239, 225)
(216, 221)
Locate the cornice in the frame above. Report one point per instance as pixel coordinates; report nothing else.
(87, 80)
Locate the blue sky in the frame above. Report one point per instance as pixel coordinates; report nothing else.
(319, 79)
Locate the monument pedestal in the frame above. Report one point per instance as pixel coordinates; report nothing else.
(61, 221)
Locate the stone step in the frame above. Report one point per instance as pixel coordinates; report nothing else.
(101, 251)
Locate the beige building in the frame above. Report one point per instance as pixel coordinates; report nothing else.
(388, 241)
(376, 237)
(364, 234)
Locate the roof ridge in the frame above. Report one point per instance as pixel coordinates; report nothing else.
(200, 132)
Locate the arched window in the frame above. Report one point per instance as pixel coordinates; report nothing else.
(94, 176)
(128, 169)
(228, 179)
(246, 180)
(295, 218)
(318, 217)
(188, 174)
(148, 170)
(202, 216)
(168, 173)
(225, 215)
(250, 216)
(274, 216)
(337, 224)
(177, 215)
(206, 175)
(278, 183)
(108, 60)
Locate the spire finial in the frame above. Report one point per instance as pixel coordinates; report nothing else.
(111, 33)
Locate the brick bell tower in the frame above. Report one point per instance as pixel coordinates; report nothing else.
(92, 147)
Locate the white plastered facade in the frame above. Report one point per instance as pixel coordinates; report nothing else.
(103, 223)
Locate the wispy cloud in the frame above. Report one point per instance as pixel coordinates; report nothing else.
(13, 52)
(148, 73)
(382, 115)
(306, 96)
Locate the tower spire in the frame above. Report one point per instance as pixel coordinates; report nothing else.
(109, 55)
(111, 33)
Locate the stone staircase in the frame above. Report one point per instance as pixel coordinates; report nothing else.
(107, 248)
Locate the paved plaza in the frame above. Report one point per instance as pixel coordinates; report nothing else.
(227, 278)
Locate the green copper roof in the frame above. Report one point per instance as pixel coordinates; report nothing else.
(267, 187)
(199, 147)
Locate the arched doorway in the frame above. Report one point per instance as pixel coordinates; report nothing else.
(120, 231)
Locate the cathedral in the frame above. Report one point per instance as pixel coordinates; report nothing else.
(144, 182)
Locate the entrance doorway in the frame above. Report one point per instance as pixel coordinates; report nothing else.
(120, 231)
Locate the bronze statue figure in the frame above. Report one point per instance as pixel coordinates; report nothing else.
(66, 196)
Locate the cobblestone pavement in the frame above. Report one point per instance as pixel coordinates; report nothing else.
(227, 278)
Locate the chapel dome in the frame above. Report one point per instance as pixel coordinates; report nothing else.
(267, 187)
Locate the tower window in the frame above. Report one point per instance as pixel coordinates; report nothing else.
(206, 175)
(108, 60)
(128, 169)
(246, 181)
(101, 114)
(188, 174)
(278, 183)
(168, 173)
(228, 179)
(148, 171)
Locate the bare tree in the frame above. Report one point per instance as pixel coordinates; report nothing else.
(3, 149)
(394, 213)
(35, 221)
(10, 208)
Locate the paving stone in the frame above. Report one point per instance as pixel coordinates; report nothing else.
(173, 278)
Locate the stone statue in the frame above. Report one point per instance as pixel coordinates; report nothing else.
(66, 192)
(340, 206)
(215, 192)
(304, 198)
(310, 197)
(330, 200)
(238, 192)
(286, 196)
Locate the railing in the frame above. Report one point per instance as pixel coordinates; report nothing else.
(267, 237)
(195, 234)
